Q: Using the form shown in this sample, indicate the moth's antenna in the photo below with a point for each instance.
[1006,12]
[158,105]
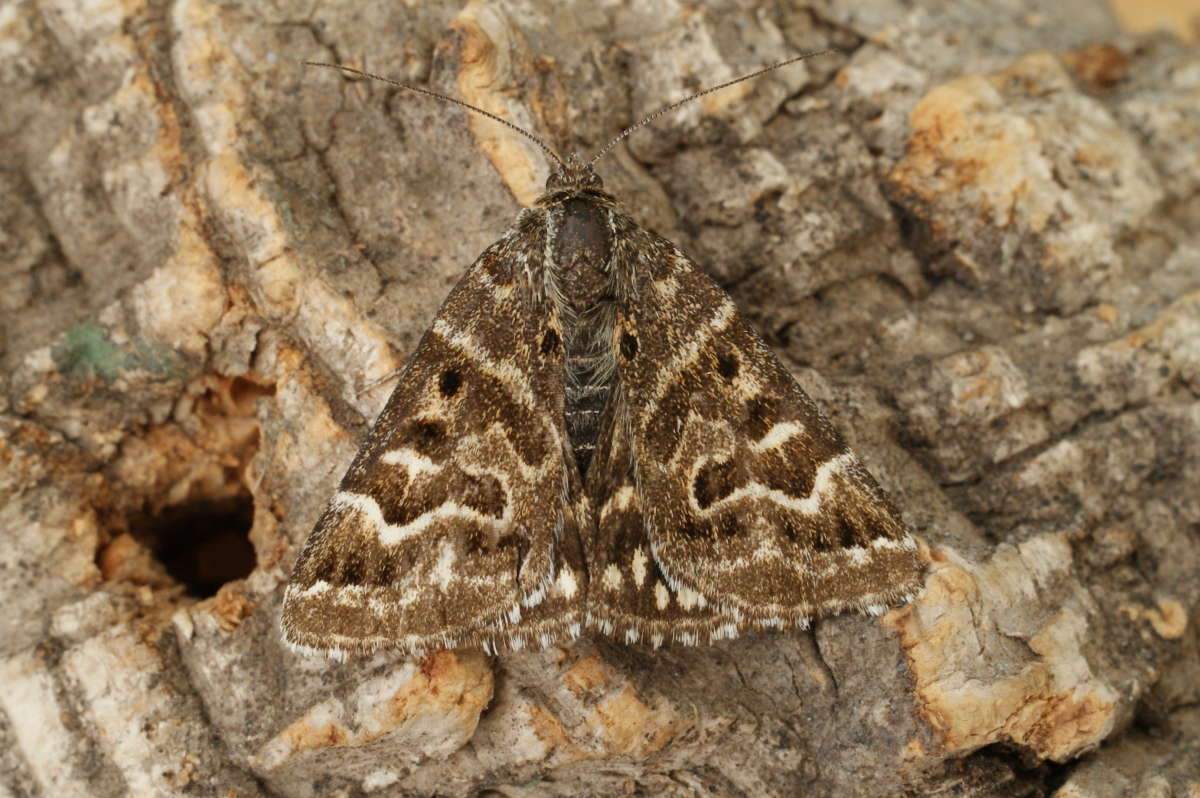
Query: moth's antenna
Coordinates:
[668,108]
[545,148]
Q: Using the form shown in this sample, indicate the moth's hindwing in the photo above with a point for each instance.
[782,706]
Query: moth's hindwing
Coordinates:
[751,500]
[458,522]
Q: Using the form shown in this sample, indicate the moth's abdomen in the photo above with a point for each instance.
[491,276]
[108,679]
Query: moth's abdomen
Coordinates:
[588,391]
[583,288]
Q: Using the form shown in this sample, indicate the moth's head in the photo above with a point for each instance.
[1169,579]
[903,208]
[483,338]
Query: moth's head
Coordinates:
[573,175]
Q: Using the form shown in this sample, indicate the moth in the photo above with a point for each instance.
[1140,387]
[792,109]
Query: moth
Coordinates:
[589,437]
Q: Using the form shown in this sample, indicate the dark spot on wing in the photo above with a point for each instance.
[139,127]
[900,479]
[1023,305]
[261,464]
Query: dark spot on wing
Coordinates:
[448,384]
[626,530]
[497,263]
[836,529]
[485,494]
[842,532]
[761,412]
[430,430]
[727,365]
[792,467]
[479,541]
[550,341]
[428,436]
[713,482]
[475,541]
[848,533]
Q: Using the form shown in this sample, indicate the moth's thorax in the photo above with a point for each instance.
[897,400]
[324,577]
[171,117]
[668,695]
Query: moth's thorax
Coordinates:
[579,236]
[583,283]
[580,252]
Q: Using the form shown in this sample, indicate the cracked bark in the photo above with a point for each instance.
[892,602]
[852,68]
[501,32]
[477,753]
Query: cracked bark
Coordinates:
[982,259]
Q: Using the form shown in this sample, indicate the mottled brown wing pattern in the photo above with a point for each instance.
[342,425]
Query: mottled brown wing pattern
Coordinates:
[560,615]
[590,433]
[751,498]
[448,528]
[630,599]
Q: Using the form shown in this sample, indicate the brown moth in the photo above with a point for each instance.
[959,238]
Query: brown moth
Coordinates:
[589,436]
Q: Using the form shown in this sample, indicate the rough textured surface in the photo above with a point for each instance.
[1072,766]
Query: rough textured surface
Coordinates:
[976,235]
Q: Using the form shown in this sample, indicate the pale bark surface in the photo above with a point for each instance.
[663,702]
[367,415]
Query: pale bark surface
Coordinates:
[975,235]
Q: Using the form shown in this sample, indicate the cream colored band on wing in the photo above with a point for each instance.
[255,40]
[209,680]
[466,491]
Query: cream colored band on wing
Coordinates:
[669,375]
[859,556]
[809,505]
[621,500]
[778,435]
[391,534]
[411,460]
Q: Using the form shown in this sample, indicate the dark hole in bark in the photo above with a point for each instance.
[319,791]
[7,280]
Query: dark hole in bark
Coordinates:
[202,543]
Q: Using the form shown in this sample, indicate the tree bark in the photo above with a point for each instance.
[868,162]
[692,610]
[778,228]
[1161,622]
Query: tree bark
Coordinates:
[974,233]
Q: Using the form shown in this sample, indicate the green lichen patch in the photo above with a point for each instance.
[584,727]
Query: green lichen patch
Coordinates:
[87,351]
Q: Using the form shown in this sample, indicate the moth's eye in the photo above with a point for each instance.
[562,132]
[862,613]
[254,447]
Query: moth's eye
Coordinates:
[448,384]
[629,346]
[554,180]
